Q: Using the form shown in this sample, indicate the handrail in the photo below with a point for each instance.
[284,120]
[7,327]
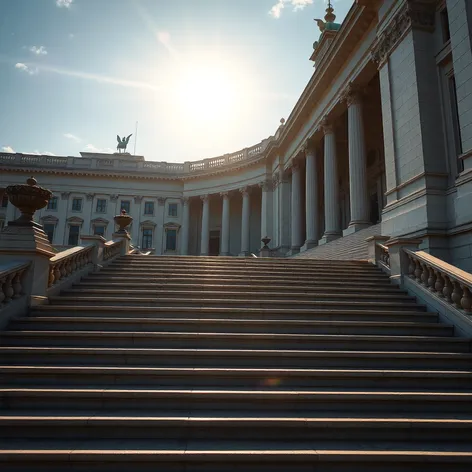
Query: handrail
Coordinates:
[11,281]
[67,262]
[111,249]
[443,279]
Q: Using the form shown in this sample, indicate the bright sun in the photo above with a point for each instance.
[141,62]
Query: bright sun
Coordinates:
[206,91]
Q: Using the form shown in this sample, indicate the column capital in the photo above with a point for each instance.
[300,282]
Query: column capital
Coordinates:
[352,94]
[294,166]
[326,126]
[161,201]
[138,199]
[245,191]
[114,198]
[275,180]
[225,195]
[309,147]
[205,198]
[65,195]
[266,185]
[185,200]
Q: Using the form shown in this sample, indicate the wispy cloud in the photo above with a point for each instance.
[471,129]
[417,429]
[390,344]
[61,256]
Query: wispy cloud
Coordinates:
[8,149]
[297,5]
[39,51]
[23,67]
[103,79]
[64,3]
[92,148]
[72,137]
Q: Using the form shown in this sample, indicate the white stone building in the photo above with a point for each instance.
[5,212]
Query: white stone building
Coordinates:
[381,133]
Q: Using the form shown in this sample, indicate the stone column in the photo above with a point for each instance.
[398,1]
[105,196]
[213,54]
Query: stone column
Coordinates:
[331,185]
[296,210]
[185,226]
[205,239]
[311,200]
[357,163]
[159,230]
[224,246]
[245,221]
[266,209]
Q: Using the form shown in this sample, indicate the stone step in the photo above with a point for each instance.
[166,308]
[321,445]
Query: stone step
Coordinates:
[219,402]
[340,303]
[294,296]
[126,426]
[237,379]
[369,314]
[238,280]
[269,288]
[256,358]
[175,340]
[45,323]
[215,456]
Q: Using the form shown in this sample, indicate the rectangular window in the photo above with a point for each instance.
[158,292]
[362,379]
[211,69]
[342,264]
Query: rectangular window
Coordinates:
[125,205]
[171,240]
[99,231]
[52,204]
[173,209]
[74,231]
[445,25]
[76,204]
[101,205]
[4,201]
[149,208]
[147,239]
[49,230]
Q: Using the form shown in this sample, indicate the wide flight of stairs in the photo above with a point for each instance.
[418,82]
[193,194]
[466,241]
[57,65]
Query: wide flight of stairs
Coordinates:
[230,364]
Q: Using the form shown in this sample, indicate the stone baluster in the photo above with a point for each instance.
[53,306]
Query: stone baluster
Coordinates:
[205,235]
[225,218]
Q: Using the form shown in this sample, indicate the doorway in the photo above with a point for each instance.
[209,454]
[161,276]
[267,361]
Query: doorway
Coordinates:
[214,247]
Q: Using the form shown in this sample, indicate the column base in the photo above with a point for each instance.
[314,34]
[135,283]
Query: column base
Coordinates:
[244,254]
[203,255]
[308,245]
[355,227]
[327,238]
[224,254]
[293,250]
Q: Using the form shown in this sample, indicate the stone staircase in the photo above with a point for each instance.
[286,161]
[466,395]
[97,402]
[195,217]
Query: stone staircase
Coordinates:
[352,247]
[228,364]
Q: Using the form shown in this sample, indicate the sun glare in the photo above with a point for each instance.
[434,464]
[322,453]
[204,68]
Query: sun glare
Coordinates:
[207,91]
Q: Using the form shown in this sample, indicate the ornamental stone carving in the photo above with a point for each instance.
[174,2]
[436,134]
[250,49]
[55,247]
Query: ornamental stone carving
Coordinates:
[65,195]
[266,185]
[89,196]
[114,198]
[326,126]
[414,14]
[185,200]
[138,199]
[245,191]
[161,201]
[275,180]
[352,94]
[224,194]
[204,198]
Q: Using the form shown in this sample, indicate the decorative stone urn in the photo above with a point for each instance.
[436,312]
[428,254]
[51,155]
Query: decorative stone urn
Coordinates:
[123,221]
[28,199]
[265,241]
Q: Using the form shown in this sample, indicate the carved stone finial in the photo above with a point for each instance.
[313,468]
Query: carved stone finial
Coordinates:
[330,16]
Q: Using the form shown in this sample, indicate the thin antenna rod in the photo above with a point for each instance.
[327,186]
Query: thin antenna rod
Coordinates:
[135,138]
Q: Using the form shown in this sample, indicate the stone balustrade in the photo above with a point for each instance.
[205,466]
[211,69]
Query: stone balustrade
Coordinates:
[121,163]
[441,279]
[111,250]
[384,258]
[67,263]
[12,281]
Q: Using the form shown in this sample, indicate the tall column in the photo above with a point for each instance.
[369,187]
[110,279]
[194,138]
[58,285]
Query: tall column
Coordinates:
[205,239]
[331,186]
[245,221]
[185,226]
[267,205]
[284,212]
[224,246]
[357,163]
[296,242]
[311,200]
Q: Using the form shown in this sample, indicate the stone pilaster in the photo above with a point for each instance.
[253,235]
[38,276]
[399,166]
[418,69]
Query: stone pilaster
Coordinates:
[245,221]
[311,200]
[185,226]
[205,239]
[357,162]
[225,217]
[296,240]
[331,185]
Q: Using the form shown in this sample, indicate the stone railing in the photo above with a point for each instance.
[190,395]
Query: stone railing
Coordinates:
[117,162]
[111,250]
[67,263]
[384,257]
[11,281]
[441,279]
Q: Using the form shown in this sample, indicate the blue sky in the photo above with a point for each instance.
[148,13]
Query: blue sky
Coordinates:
[202,77]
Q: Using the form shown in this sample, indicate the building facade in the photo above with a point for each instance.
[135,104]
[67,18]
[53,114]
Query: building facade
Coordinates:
[381,133]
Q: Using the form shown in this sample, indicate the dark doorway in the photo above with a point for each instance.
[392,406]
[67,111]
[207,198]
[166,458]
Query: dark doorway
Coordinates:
[374,208]
[214,248]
